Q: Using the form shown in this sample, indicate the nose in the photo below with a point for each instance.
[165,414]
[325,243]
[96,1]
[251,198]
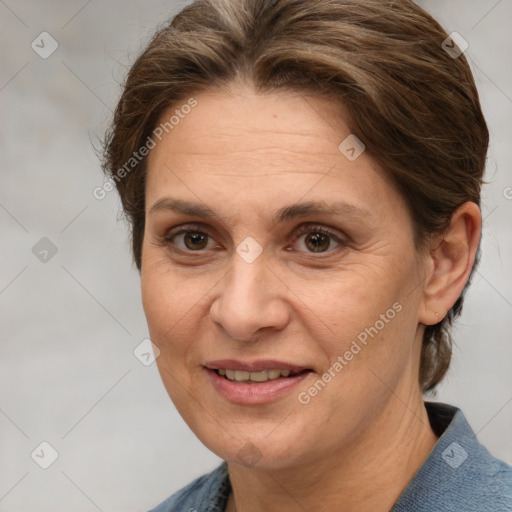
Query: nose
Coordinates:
[251,301]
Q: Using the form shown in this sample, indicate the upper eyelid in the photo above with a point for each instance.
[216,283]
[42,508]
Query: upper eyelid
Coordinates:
[305,228]
[207,229]
[183,228]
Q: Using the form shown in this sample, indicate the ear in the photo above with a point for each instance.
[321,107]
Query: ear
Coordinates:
[450,261]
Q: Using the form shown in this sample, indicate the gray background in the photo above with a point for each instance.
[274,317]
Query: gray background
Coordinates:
[70,325]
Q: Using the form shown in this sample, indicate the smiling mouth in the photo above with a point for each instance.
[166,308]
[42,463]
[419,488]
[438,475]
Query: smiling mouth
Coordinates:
[262,376]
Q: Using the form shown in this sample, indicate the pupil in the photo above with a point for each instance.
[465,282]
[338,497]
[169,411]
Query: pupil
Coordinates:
[318,242]
[195,241]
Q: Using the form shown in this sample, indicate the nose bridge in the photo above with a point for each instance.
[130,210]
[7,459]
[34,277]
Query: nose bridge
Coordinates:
[244,291]
[247,301]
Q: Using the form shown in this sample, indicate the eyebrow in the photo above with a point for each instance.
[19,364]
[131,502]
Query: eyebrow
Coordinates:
[284,214]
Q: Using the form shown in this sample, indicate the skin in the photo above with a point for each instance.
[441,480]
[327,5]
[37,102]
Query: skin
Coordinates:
[360,440]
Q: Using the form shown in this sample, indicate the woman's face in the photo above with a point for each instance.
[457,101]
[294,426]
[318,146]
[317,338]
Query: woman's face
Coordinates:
[268,248]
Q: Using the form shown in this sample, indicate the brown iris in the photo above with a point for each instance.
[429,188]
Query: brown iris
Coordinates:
[195,240]
[317,242]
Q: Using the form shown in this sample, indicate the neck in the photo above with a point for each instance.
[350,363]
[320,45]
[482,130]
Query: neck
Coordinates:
[369,475]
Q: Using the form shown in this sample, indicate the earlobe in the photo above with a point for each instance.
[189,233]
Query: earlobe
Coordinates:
[452,257]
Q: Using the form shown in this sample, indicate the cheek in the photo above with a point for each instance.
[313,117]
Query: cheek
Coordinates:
[353,299]
[168,299]
[169,310]
[368,316]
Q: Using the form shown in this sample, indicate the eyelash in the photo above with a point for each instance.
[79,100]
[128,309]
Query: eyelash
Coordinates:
[301,230]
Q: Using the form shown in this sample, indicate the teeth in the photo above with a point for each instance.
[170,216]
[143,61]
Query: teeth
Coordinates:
[241,376]
[259,376]
[263,376]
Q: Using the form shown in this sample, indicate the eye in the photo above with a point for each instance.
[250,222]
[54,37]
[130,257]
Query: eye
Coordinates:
[316,239]
[190,239]
[311,239]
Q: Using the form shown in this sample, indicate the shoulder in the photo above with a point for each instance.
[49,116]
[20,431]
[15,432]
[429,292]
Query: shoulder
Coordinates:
[459,473]
[465,476]
[206,493]
[484,484]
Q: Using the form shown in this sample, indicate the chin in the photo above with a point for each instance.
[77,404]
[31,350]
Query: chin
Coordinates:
[248,447]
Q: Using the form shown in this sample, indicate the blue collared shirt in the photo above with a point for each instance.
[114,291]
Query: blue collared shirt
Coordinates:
[459,475]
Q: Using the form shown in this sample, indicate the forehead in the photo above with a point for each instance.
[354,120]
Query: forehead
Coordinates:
[272,147]
[236,121]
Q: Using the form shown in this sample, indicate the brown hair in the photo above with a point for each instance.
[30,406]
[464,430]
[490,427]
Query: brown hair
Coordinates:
[414,105]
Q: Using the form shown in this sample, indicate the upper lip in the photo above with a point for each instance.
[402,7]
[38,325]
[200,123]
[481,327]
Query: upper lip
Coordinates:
[254,366]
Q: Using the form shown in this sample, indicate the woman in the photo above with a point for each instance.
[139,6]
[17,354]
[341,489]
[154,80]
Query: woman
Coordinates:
[303,184]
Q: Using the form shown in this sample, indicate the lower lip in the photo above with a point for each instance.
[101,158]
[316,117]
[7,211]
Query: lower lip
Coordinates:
[255,392]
